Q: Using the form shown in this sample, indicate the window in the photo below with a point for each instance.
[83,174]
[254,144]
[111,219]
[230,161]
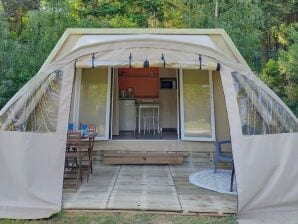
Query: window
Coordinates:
[197,118]
[94,101]
[259,112]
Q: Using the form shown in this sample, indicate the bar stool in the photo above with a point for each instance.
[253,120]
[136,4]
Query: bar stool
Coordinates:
[151,119]
[148,120]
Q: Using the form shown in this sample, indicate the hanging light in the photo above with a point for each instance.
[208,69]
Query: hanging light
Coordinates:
[130,58]
[164,60]
[146,63]
[93,59]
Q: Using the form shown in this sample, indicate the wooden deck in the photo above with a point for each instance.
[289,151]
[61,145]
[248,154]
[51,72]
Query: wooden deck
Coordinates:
[147,187]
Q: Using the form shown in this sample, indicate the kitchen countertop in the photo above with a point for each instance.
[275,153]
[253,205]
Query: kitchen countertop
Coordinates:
[127,98]
[141,100]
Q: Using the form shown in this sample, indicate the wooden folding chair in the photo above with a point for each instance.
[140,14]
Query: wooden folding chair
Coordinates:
[74,153]
[90,131]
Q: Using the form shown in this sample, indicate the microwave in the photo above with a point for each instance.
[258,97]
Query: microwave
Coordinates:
[168,83]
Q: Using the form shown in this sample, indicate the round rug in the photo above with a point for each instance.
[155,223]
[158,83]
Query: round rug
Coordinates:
[219,181]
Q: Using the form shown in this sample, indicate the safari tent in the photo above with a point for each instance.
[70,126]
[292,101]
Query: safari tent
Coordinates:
[203,91]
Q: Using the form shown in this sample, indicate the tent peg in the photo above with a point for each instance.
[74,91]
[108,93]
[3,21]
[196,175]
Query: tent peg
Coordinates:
[200,59]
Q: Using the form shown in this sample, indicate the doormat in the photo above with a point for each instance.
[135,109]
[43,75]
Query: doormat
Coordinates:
[219,181]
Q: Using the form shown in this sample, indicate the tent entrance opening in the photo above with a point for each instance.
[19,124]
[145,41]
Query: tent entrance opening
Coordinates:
[145,104]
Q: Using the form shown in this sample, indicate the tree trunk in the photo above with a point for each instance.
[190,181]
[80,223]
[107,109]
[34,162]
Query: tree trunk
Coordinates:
[216,9]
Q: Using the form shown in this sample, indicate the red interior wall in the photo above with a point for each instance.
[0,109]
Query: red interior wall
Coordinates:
[144,81]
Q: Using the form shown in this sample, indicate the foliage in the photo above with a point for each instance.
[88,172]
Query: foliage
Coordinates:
[140,13]
[282,75]
[7,86]
[21,57]
[244,30]
[16,10]
[277,12]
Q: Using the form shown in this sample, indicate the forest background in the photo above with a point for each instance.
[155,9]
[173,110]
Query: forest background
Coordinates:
[265,32]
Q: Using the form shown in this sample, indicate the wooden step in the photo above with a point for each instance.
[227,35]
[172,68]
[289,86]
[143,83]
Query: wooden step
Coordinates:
[142,158]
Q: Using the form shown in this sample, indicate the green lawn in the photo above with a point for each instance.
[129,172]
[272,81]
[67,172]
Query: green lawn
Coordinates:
[124,218]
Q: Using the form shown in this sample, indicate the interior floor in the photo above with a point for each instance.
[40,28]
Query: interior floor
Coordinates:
[147,187]
[130,135]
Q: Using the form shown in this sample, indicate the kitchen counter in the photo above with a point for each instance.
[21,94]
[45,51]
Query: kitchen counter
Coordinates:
[142,100]
[127,98]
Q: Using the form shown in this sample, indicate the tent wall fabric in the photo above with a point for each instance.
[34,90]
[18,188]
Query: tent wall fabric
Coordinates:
[32,161]
[263,129]
[264,163]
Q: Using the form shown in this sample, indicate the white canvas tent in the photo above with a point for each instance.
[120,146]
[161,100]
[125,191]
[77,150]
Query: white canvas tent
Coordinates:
[33,123]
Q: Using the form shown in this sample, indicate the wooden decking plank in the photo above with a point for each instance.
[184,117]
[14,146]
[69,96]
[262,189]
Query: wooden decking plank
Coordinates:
[123,157]
[144,199]
[194,199]
[149,187]
[93,194]
[112,187]
[143,160]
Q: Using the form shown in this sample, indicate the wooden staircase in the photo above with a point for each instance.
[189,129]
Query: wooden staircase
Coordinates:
[145,158]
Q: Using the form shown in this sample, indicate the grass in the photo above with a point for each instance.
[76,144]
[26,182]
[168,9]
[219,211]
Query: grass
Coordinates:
[83,217]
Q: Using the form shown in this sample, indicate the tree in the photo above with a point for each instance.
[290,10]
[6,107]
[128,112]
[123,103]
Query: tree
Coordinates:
[140,13]
[276,12]
[7,86]
[282,75]
[15,11]
[242,20]
[21,57]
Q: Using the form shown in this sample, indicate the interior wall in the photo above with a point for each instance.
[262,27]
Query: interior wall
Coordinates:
[115,111]
[222,128]
[167,72]
[168,101]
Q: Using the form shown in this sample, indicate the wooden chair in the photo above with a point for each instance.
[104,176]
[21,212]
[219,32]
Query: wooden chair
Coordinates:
[73,158]
[90,130]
